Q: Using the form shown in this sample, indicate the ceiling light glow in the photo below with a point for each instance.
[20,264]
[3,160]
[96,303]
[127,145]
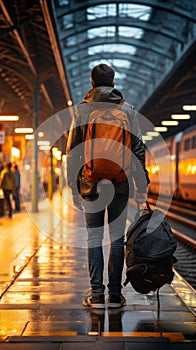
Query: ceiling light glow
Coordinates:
[29,137]
[160,128]
[147,138]
[181,116]
[44,148]
[189,107]
[43,143]
[169,122]
[152,133]
[23,130]
[9,118]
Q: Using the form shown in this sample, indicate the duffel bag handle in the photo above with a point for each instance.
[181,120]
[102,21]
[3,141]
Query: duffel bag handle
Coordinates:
[147,207]
[139,210]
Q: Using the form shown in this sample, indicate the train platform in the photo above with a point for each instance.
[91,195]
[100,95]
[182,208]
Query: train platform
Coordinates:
[44,277]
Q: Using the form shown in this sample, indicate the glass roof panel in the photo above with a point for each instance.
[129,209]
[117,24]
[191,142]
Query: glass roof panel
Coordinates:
[63,2]
[112,48]
[131,32]
[119,86]
[112,62]
[71,41]
[96,62]
[137,11]
[101,11]
[119,75]
[77,83]
[121,63]
[68,21]
[113,32]
[101,32]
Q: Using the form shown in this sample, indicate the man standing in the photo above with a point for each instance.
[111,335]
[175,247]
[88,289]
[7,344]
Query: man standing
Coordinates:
[107,194]
[8,185]
[17,191]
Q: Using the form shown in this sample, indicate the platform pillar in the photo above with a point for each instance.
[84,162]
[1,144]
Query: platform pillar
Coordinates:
[51,177]
[35,177]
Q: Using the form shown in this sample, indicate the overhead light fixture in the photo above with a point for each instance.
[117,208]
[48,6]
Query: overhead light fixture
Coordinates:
[152,133]
[44,148]
[23,130]
[41,134]
[9,118]
[29,137]
[69,102]
[146,138]
[160,128]
[189,107]
[181,116]
[43,143]
[169,122]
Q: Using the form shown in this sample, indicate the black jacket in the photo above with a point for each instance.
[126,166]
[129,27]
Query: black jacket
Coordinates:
[77,135]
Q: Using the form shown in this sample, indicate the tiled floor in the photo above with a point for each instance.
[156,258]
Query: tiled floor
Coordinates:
[44,276]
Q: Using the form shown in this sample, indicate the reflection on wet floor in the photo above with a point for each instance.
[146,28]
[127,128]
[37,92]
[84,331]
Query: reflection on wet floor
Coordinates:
[44,276]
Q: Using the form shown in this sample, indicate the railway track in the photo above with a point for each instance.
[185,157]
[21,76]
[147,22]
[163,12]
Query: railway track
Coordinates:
[184,210]
[183,223]
[186,257]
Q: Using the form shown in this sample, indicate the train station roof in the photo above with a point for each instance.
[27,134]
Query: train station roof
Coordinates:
[54,44]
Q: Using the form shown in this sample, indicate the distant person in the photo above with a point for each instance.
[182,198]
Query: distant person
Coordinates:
[16,194]
[94,195]
[1,167]
[8,185]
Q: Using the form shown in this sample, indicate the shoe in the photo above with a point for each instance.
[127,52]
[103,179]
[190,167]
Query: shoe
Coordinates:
[115,301]
[96,302]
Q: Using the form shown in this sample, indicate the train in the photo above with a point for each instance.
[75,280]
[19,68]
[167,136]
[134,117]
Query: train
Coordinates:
[172,166]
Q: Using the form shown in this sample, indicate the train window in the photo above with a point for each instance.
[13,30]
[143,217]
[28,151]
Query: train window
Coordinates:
[187,144]
[194,142]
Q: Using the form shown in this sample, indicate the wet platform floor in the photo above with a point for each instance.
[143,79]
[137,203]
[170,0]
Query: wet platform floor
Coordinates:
[44,277]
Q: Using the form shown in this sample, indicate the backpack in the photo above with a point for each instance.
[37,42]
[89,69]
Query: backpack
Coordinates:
[150,246]
[107,148]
